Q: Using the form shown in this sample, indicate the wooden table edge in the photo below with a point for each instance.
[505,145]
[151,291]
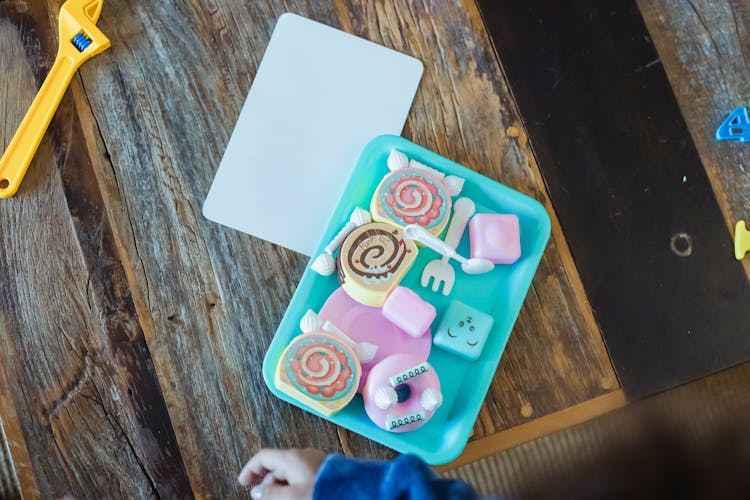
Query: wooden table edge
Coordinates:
[540,427]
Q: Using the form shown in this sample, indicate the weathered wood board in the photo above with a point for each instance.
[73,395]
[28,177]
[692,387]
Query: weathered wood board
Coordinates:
[74,355]
[633,197]
[703,46]
[132,323]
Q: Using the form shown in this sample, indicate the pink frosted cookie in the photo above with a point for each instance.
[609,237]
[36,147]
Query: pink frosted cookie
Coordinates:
[412,196]
[320,370]
[369,325]
[414,193]
[402,393]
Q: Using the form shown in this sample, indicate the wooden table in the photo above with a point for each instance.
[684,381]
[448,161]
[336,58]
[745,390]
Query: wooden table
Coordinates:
[133,329]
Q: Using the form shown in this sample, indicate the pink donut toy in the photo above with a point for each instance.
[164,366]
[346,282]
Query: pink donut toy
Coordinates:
[402,393]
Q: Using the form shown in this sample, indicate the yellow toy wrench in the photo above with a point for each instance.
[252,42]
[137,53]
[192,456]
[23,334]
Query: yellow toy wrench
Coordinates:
[80,40]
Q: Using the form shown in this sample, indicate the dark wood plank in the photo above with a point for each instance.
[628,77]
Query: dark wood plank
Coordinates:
[703,48]
[626,180]
[75,361]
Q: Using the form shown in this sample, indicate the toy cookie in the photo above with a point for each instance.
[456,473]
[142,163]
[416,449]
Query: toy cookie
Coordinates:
[372,260]
[414,193]
[412,196]
[402,393]
[319,370]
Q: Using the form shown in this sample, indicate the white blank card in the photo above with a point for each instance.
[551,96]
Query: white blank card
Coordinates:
[318,97]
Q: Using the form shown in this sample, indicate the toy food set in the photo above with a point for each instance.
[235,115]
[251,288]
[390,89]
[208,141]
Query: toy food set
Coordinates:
[399,322]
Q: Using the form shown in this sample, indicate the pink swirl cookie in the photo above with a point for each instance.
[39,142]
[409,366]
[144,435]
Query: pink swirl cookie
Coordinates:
[412,196]
[402,393]
[320,370]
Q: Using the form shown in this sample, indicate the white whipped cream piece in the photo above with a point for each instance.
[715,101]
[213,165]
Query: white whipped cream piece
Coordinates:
[331,328]
[360,217]
[324,264]
[437,173]
[386,398]
[454,184]
[431,399]
[397,160]
[365,351]
[310,322]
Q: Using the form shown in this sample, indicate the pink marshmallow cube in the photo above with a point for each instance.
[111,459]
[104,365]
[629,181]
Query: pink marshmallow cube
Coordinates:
[405,309]
[495,237]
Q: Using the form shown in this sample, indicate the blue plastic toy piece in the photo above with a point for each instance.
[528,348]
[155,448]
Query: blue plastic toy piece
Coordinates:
[81,42]
[463,330]
[735,127]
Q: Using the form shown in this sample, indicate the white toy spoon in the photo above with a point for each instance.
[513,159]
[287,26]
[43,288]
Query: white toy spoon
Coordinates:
[469,266]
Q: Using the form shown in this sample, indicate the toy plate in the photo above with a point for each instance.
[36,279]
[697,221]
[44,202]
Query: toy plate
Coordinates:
[499,293]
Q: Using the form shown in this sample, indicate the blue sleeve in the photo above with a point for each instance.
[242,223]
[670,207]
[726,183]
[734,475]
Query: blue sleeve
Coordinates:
[406,478]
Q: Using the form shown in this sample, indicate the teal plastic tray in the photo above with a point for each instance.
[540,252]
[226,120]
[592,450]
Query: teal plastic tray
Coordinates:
[499,293]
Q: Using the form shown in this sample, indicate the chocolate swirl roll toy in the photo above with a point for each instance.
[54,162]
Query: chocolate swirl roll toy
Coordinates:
[402,393]
[319,370]
[372,261]
[413,193]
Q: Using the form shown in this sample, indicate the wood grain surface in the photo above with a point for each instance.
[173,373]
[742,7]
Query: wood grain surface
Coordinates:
[630,189]
[703,46]
[78,366]
[135,328]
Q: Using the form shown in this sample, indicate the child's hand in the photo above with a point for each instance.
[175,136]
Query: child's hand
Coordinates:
[284,473]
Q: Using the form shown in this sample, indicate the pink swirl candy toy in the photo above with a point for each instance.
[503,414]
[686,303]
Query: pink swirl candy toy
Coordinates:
[412,196]
[319,370]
